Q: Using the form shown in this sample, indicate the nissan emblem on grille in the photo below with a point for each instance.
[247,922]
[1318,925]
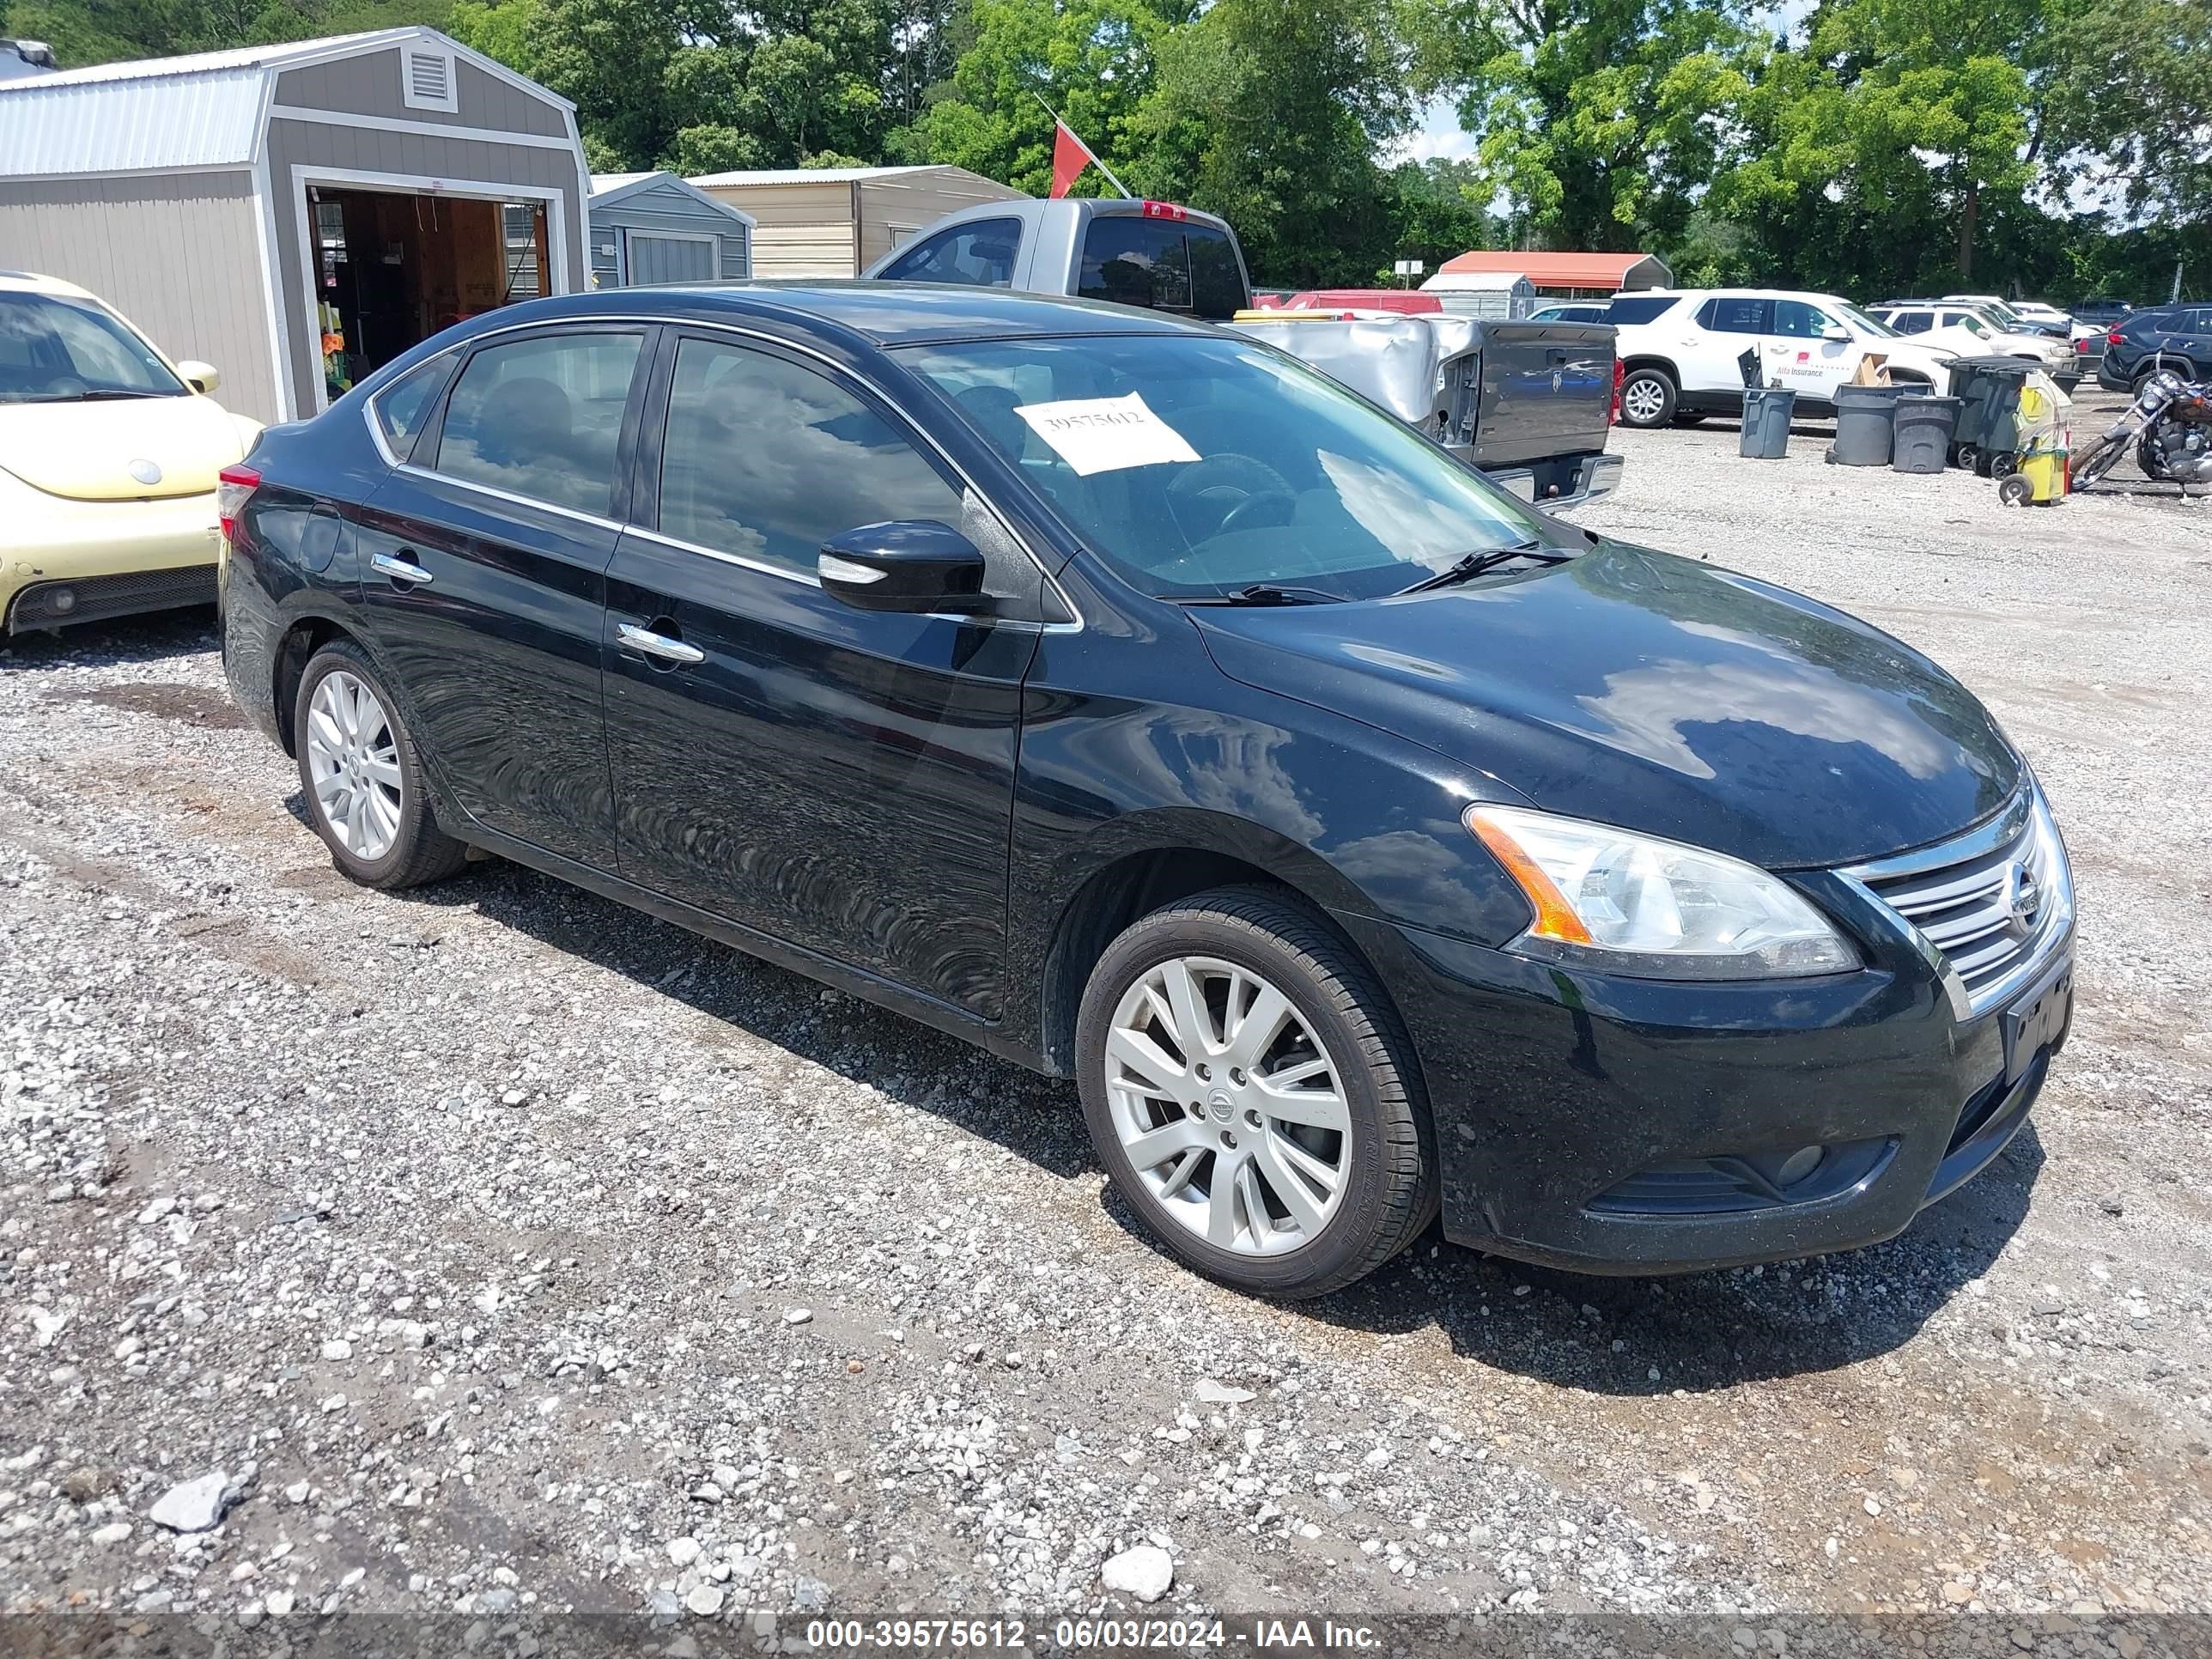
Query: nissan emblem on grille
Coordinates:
[2027,900]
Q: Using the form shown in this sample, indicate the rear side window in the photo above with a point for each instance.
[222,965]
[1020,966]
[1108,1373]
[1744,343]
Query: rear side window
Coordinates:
[1137,262]
[403,409]
[1734,315]
[542,419]
[1909,322]
[767,460]
[976,255]
[1641,308]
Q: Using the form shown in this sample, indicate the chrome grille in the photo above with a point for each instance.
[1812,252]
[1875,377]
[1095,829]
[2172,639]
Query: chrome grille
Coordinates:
[1992,902]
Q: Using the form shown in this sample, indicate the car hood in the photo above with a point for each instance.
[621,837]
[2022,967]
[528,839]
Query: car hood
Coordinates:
[1639,689]
[135,449]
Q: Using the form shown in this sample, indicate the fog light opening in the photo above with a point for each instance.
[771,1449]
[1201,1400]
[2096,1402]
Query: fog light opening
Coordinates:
[63,600]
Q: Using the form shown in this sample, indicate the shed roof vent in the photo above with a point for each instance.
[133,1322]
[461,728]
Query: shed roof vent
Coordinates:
[427,79]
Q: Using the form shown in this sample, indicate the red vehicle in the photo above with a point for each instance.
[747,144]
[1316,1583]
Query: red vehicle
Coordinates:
[1410,301]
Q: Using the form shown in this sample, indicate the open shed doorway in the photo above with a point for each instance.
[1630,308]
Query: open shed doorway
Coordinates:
[393,268]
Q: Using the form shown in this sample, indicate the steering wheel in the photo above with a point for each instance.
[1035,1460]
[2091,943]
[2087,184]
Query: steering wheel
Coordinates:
[1229,492]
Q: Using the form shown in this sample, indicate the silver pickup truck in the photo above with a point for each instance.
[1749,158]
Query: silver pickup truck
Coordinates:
[1530,404]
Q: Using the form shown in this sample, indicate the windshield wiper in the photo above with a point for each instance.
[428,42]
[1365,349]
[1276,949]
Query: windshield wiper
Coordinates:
[1269,594]
[109,394]
[1471,565]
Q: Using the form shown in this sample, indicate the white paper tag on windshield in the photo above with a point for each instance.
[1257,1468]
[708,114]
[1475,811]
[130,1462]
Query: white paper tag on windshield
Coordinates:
[1105,434]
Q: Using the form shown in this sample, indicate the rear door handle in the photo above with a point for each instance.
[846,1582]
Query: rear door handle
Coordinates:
[398,569]
[657,645]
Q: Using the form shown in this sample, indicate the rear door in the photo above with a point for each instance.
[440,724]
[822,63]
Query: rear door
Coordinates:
[1728,325]
[484,562]
[1799,356]
[838,778]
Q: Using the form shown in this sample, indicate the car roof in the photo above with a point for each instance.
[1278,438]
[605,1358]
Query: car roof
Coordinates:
[876,313]
[29,281]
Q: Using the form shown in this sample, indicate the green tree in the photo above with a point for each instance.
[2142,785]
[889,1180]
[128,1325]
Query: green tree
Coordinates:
[1602,120]
[2130,107]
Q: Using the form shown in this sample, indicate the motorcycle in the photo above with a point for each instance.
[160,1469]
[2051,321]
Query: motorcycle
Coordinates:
[2169,427]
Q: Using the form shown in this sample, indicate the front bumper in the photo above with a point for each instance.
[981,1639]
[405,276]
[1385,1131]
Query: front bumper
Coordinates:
[109,558]
[1563,1102]
[1568,481]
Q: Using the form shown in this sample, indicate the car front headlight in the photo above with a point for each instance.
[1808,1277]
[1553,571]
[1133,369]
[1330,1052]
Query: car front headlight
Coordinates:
[1620,902]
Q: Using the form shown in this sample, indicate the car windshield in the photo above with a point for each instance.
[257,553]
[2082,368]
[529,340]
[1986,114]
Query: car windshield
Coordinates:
[1203,466]
[55,349]
[1863,324]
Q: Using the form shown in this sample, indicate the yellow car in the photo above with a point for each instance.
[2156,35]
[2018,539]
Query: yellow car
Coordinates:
[109,455]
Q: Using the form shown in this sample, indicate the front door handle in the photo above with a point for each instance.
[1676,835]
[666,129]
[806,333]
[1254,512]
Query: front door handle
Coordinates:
[657,645]
[400,569]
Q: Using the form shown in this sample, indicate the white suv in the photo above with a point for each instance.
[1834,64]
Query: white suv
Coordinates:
[1680,349]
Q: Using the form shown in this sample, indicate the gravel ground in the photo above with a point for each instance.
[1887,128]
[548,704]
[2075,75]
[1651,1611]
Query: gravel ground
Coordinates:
[494,1249]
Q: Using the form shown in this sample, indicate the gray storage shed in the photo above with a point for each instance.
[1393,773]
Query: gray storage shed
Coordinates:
[651,228]
[296,215]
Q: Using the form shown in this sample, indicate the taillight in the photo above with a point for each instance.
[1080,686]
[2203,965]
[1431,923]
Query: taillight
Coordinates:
[233,486]
[2112,339]
[1164,210]
[1620,375]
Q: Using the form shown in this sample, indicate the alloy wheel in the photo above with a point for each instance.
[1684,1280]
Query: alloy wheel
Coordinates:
[353,761]
[1227,1106]
[1643,401]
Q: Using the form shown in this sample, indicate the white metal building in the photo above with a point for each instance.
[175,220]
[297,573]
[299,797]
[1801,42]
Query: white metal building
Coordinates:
[296,215]
[1492,293]
[837,221]
[651,228]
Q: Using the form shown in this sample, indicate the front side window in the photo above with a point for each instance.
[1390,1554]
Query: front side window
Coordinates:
[542,419]
[1136,262]
[1735,314]
[1198,467]
[403,409]
[1796,320]
[767,460]
[55,349]
[976,255]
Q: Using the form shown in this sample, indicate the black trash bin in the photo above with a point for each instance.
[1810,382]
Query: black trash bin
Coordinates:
[1864,421]
[1924,429]
[1766,422]
[1988,391]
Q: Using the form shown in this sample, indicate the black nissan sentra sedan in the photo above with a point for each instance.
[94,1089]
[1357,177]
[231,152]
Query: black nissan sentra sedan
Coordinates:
[1124,697]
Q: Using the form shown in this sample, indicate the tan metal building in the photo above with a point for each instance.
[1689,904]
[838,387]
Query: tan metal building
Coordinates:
[836,221]
[296,215]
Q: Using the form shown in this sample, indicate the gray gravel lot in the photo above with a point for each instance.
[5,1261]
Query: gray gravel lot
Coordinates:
[495,1248]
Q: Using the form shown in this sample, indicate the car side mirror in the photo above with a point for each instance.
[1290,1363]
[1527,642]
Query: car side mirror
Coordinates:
[1836,333]
[911,565]
[203,378]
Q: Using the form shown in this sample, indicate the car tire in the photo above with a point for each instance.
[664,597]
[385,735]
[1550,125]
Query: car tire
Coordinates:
[1334,1203]
[1647,397]
[362,775]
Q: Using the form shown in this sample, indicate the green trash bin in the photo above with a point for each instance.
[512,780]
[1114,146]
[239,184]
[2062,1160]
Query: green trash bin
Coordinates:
[1766,422]
[1988,389]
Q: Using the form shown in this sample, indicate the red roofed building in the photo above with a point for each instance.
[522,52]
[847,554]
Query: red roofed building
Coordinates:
[1562,275]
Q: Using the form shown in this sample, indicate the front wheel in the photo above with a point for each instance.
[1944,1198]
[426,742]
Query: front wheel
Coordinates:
[1647,397]
[1252,1095]
[2101,458]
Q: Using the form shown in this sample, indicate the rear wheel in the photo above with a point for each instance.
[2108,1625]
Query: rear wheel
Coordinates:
[1647,397]
[361,777]
[1250,1092]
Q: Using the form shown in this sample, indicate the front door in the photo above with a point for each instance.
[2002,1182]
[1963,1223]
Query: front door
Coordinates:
[1800,356]
[838,778]
[483,569]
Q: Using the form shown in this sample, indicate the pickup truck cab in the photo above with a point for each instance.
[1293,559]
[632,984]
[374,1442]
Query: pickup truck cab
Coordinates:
[1681,349]
[1529,403]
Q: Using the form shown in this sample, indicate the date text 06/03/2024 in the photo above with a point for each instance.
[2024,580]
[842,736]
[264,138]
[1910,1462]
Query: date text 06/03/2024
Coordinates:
[1276,1635]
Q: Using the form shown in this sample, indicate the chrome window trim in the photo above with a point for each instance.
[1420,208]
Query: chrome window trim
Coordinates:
[368,406]
[497,494]
[836,371]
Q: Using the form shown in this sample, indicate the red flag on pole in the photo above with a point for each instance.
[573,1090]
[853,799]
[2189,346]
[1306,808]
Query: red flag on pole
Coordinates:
[1069,157]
